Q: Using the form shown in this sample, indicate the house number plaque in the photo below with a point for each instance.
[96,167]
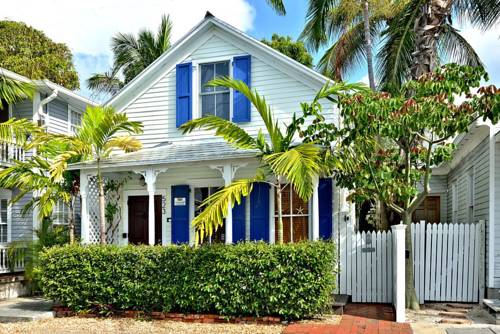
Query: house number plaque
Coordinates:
[179,201]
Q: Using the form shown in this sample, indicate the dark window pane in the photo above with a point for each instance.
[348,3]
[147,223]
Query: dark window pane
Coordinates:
[223,105]
[207,105]
[207,74]
[222,70]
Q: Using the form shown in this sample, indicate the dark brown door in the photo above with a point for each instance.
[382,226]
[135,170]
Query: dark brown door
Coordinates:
[4,111]
[138,208]
[429,210]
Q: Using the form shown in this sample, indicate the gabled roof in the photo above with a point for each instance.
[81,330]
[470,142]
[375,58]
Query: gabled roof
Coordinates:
[175,54]
[48,87]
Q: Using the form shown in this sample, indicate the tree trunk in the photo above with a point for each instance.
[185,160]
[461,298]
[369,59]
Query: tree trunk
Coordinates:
[411,295]
[427,30]
[71,223]
[280,214]
[102,216]
[368,45]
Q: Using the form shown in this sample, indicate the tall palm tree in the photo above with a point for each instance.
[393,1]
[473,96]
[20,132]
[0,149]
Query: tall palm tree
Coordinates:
[280,158]
[422,35]
[103,131]
[133,54]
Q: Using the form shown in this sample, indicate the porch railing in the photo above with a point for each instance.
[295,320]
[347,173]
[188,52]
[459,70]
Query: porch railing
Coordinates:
[10,152]
[17,258]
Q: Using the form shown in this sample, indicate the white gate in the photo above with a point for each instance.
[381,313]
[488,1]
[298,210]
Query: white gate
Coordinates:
[365,265]
[448,261]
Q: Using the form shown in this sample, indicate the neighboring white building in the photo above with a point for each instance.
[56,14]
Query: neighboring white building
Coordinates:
[59,110]
[173,173]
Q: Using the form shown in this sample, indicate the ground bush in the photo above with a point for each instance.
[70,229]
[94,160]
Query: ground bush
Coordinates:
[248,279]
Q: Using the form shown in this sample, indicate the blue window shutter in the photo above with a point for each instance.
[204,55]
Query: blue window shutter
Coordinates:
[241,105]
[183,77]
[239,221]
[180,215]
[259,212]
[325,208]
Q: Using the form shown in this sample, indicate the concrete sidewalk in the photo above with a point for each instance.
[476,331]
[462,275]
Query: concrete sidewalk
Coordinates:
[25,309]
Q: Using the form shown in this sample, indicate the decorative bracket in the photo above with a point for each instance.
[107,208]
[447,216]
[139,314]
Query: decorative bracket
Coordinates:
[228,171]
[150,177]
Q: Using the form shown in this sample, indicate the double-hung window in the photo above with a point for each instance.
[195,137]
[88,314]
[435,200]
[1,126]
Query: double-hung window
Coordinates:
[214,100]
[75,120]
[60,213]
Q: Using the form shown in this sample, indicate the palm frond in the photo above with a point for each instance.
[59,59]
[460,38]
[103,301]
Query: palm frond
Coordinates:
[398,40]
[300,165]
[12,91]
[107,82]
[455,48]
[348,52]
[125,143]
[278,6]
[259,103]
[323,21]
[482,14]
[18,131]
[164,35]
[216,207]
[231,132]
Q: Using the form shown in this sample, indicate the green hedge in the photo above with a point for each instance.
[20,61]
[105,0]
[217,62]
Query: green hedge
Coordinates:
[292,281]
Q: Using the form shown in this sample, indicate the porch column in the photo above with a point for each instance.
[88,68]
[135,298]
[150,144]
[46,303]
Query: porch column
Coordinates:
[84,185]
[228,171]
[315,210]
[150,178]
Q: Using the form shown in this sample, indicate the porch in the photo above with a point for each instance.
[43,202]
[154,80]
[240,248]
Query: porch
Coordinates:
[158,201]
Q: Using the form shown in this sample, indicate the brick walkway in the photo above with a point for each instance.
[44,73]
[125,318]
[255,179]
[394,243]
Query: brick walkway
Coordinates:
[357,319]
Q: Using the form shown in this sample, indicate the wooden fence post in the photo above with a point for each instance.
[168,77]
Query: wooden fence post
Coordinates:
[399,271]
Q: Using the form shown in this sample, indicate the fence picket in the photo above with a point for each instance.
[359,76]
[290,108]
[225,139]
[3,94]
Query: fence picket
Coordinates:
[359,271]
[460,274]
[348,264]
[383,252]
[449,262]
[444,263]
[428,233]
[477,265]
[378,257]
[363,269]
[470,256]
[439,247]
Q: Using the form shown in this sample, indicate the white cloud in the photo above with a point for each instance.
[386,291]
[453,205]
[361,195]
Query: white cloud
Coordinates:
[487,46]
[87,26]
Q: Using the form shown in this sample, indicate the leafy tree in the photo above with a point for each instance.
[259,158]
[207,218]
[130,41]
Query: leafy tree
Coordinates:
[103,131]
[281,159]
[414,131]
[31,53]
[295,50]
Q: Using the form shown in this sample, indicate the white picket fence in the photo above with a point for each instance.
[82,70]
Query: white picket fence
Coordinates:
[448,261]
[365,265]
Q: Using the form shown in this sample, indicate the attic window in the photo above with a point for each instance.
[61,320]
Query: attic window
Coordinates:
[214,100]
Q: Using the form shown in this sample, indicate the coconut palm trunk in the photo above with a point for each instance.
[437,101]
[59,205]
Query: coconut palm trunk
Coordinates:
[368,44]
[71,223]
[427,31]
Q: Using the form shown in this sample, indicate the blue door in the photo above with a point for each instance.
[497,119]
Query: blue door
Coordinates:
[325,195]
[259,212]
[180,214]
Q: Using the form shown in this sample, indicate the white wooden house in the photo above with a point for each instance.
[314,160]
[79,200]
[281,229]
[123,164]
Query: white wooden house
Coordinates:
[173,173]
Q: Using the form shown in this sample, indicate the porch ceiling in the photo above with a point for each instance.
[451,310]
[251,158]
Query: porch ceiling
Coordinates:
[171,153]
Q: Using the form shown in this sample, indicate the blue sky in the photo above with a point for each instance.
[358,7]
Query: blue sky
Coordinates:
[87,26]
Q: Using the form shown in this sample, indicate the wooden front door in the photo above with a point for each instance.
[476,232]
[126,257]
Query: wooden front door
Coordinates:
[138,208]
[429,210]
[295,213]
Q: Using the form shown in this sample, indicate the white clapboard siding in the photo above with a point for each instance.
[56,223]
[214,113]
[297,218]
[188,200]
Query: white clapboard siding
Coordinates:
[366,271]
[447,261]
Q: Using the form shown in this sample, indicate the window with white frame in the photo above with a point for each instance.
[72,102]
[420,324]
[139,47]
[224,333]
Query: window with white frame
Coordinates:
[75,120]
[214,100]
[4,220]
[60,213]
[454,203]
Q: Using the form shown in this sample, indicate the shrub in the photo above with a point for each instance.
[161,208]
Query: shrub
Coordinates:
[248,279]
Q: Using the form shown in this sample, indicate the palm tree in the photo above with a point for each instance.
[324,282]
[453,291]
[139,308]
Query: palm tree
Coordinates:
[280,158]
[103,131]
[133,54]
[422,35]
[33,175]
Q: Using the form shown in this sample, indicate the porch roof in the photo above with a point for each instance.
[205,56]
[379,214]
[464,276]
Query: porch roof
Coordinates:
[171,153]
